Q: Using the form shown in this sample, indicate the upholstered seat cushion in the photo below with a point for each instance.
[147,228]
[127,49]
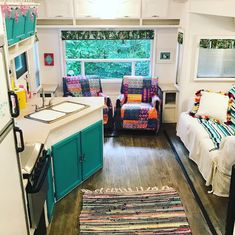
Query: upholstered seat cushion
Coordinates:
[138,115]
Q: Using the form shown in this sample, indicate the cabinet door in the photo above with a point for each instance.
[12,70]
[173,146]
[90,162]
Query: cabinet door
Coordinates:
[59,9]
[50,193]
[30,23]
[19,28]
[129,9]
[67,166]
[154,8]
[92,149]
[10,30]
[85,9]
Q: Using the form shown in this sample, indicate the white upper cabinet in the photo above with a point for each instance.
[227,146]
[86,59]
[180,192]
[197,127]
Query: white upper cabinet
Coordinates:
[107,9]
[154,8]
[55,9]
[85,9]
[129,9]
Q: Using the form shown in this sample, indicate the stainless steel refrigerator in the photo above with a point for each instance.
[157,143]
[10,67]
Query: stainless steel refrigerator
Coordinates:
[13,218]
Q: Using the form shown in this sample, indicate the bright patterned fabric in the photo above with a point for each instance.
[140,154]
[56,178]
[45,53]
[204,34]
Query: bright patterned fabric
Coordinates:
[135,109]
[217,131]
[197,99]
[125,211]
[143,86]
[134,98]
[232,110]
[83,86]
[80,86]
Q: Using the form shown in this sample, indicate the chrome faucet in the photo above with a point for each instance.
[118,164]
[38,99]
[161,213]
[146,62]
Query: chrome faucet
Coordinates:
[38,108]
[43,98]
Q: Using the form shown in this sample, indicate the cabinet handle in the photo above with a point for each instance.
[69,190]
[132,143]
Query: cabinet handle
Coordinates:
[82,158]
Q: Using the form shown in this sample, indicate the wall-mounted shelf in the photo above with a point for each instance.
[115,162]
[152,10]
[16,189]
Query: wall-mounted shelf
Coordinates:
[20,47]
[104,24]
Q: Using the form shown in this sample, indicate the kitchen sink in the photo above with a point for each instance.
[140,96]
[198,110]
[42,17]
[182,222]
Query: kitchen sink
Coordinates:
[57,111]
[68,107]
[46,115]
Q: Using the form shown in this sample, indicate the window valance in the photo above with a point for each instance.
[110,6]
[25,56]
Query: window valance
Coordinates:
[108,35]
[217,43]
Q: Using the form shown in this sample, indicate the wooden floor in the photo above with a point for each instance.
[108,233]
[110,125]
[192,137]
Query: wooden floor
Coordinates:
[132,160]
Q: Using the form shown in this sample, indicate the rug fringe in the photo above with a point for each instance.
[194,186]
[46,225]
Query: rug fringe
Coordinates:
[127,190]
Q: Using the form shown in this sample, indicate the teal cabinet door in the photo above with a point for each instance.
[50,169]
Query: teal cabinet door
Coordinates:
[92,149]
[30,23]
[19,28]
[10,30]
[67,166]
[50,194]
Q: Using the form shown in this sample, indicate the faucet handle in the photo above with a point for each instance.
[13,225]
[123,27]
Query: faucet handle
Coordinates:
[50,102]
[36,107]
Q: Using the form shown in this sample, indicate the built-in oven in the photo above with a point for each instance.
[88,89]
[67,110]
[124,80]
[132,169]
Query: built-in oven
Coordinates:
[35,163]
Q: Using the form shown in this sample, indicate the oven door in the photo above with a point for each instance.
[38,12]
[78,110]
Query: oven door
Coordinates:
[37,193]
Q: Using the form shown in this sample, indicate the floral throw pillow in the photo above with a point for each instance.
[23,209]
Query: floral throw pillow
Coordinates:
[218,111]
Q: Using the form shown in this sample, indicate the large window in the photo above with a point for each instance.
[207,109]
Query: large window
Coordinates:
[108,58]
[216,59]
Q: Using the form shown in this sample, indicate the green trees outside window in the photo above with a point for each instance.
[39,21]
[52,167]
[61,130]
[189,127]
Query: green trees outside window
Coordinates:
[108,58]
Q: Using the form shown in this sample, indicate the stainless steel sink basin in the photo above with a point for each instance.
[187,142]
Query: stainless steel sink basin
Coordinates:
[57,111]
[68,107]
[46,115]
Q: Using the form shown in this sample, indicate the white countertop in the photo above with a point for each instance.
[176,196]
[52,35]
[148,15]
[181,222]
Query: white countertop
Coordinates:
[38,132]
[168,87]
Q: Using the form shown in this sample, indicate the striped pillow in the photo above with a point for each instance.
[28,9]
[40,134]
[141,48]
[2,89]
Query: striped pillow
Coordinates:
[231,94]
[195,109]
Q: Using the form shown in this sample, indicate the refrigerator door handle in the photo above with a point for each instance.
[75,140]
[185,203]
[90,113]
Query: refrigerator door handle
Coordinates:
[19,148]
[15,111]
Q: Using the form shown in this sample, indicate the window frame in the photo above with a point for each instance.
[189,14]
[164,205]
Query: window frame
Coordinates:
[196,52]
[131,60]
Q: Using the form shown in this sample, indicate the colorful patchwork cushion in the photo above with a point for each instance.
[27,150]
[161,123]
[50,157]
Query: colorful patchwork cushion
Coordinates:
[134,98]
[138,89]
[73,86]
[138,111]
[105,114]
[232,110]
[83,85]
[212,105]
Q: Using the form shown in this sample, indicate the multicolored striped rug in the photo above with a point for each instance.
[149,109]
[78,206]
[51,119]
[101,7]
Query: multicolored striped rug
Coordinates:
[124,211]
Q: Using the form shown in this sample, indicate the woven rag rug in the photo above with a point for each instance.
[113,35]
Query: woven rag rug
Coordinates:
[127,211]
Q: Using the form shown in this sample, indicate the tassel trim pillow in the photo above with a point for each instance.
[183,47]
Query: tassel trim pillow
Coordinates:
[232,109]
[211,105]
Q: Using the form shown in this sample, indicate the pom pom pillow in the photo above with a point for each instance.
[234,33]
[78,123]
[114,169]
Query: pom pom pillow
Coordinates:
[212,105]
[232,110]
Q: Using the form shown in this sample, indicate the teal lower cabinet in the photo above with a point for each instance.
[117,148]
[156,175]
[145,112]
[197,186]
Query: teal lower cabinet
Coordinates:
[50,194]
[92,149]
[67,166]
[76,158]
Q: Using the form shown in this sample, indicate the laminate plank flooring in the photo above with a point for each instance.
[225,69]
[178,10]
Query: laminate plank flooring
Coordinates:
[131,161]
[215,206]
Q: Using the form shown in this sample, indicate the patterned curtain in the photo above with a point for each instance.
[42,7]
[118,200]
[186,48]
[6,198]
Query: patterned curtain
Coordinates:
[217,43]
[180,38]
[108,35]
